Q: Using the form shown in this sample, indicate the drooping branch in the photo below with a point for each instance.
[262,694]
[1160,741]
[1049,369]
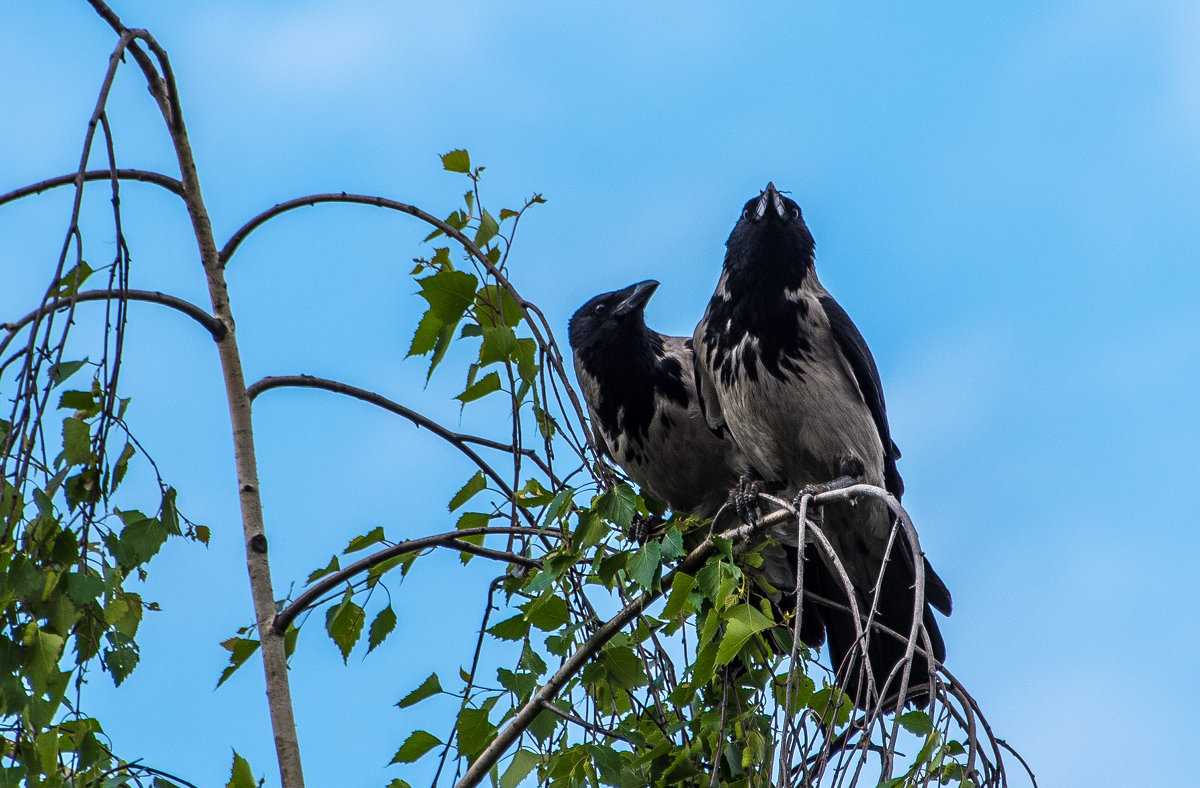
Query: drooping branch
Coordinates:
[542,334]
[213,326]
[450,539]
[122,174]
[458,439]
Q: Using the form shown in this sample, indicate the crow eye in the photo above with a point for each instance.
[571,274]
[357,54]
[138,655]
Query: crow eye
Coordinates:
[748,213]
[795,212]
[601,310]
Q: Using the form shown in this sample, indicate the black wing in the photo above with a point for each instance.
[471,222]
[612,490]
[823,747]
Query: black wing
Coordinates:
[855,349]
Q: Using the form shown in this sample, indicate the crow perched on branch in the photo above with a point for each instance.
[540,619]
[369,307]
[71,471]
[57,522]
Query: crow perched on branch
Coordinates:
[641,395]
[780,365]
[640,390]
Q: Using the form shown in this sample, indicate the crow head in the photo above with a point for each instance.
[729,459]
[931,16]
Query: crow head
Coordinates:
[611,320]
[771,232]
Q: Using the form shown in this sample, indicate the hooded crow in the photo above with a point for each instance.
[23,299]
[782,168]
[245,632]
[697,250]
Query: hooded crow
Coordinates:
[641,396]
[640,390]
[780,365]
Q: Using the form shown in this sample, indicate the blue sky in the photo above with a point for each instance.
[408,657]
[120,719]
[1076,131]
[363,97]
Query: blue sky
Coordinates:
[1004,198]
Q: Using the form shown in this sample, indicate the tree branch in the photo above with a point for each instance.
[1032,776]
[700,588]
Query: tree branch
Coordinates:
[146,176]
[162,86]
[545,341]
[448,539]
[211,324]
[457,440]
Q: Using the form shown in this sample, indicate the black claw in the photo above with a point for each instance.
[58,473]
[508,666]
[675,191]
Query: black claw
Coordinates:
[745,499]
[645,528]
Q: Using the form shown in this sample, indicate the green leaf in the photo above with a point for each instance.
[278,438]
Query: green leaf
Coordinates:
[513,628]
[618,505]
[83,587]
[425,338]
[69,283]
[457,160]
[499,344]
[519,767]
[366,540]
[475,485]
[416,745]
[744,621]
[644,563]
[521,684]
[381,627]
[344,623]
[429,687]
[482,387]
[672,544]
[533,494]
[60,372]
[508,213]
[475,731]
[81,401]
[141,538]
[241,776]
[240,650]
[681,587]
[329,569]
[495,306]
[547,613]
[832,705]
[916,722]
[77,441]
[488,227]
[449,293]
[560,506]
[531,661]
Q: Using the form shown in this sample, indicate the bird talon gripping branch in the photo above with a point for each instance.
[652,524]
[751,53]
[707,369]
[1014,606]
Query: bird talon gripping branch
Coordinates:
[744,498]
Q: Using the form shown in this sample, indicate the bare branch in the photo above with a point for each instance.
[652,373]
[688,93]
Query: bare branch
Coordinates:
[123,174]
[569,717]
[210,324]
[449,539]
[457,440]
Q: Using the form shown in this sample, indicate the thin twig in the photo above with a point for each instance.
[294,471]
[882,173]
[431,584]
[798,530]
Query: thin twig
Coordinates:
[589,727]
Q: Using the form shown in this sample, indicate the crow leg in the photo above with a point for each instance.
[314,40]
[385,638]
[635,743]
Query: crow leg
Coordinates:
[744,498]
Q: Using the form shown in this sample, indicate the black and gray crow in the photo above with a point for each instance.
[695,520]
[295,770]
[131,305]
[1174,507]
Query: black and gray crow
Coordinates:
[640,389]
[780,365]
[641,395]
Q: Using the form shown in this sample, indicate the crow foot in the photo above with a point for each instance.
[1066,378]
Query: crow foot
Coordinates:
[646,527]
[744,498]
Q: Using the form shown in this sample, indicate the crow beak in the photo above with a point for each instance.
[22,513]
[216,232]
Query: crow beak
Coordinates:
[638,298]
[772,200]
